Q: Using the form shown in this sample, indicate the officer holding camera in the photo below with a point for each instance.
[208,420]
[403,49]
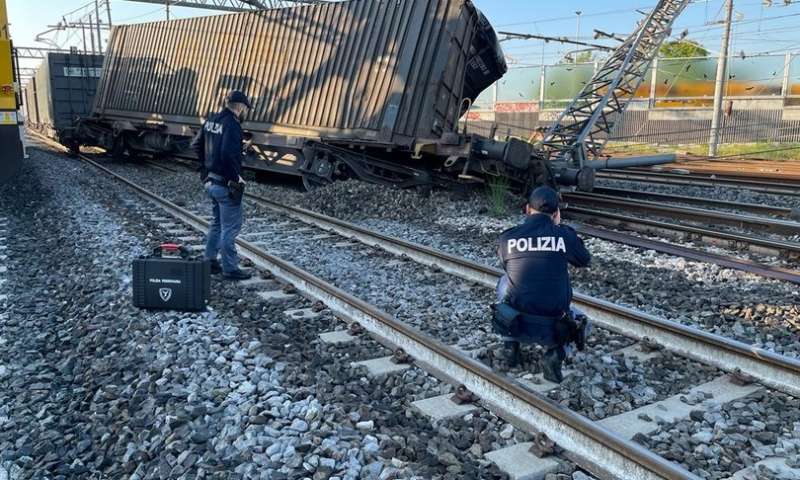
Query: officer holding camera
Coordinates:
[218,146]
[535,293]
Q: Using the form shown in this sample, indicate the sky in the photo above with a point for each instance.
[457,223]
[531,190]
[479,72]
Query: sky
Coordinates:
[758,28]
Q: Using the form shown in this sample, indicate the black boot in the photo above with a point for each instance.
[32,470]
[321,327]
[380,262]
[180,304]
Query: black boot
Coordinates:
[512,351]
[237,274]
[216,268]
[581,331]
[551,365]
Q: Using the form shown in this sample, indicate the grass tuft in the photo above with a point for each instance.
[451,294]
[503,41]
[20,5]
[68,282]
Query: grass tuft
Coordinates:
[497,196]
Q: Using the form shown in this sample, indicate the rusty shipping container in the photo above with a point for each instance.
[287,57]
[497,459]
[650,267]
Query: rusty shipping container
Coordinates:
[361,75]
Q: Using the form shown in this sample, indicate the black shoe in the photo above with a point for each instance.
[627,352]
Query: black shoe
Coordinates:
[551,366]
[512,353]
[216,268]
[237,274]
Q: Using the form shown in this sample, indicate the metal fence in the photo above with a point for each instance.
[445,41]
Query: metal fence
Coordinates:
[673,104]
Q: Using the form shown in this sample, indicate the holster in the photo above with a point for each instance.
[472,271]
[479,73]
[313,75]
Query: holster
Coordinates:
[236,191]
[547,331]
[565,329]
[505,320]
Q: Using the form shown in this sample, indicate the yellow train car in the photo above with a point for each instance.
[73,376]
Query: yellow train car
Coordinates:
[11,150]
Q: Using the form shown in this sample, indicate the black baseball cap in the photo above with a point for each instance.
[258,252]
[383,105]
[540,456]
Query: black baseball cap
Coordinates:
[237,96]
[544,199]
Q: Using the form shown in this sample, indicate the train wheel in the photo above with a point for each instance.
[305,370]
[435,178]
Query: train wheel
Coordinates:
[312,182]
[119,148]
[74,148]
[321,171]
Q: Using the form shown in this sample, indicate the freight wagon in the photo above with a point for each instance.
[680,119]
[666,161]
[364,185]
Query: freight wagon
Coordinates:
[61,93]
[356,89]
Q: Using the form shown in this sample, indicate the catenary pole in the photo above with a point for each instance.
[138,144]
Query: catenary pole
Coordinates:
[99,35]
[577,30]
[719,86]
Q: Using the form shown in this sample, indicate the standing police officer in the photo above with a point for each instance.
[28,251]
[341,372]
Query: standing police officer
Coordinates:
[535,293]
[219,148]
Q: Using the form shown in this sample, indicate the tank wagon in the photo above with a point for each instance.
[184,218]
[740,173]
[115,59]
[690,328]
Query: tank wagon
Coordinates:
[355,89]
[61,93]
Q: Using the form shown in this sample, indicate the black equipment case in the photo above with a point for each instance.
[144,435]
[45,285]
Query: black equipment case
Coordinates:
[177,282]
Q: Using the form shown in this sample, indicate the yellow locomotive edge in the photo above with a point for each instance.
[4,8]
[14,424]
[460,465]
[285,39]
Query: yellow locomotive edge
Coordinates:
[11,151]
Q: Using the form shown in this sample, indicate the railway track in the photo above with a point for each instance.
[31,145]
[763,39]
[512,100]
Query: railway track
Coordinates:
[677,338]
[755,209]
[698,215]
[594,445]
[767,271]
[687,233]
[587,443]
[748,168]
[604,210]
[762,186]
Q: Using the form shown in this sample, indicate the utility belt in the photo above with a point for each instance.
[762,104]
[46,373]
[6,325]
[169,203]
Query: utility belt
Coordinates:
[235,189]
[544,330]
[215,179]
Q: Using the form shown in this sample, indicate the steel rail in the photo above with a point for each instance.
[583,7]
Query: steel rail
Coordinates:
[769,368]
[726,175]
[675,179]
[736,240]
[767,271]
[704,201]
[705,216]
[590,445]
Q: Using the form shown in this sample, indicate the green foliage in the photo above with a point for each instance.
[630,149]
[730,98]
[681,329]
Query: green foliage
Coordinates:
[682,49]
[580,57]
[496,196]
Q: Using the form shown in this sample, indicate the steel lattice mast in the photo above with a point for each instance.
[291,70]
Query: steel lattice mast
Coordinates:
[580,133]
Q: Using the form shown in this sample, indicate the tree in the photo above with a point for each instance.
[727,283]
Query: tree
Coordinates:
[682,49]
[581,57]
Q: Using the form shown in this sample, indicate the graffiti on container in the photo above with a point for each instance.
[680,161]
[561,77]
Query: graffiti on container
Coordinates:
[516,107]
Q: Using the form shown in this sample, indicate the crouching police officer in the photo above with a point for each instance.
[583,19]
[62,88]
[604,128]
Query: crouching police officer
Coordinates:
[535,293]
[219,148]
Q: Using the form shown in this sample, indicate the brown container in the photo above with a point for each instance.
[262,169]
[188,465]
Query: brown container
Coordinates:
[383,72]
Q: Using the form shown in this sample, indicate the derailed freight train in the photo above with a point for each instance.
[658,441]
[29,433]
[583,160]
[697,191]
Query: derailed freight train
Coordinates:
[356,89]
[61,94]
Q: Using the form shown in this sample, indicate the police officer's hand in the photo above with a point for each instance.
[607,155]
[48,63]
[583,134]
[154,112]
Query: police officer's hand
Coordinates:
[241,180]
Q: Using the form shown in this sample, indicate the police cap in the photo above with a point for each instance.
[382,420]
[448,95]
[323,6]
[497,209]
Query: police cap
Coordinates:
[544,199]
[237,96]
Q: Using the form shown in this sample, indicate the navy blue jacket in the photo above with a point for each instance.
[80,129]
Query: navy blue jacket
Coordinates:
[535,257]
[218,145]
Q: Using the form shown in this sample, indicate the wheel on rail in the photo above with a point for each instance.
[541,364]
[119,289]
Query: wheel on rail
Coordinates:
[119,148]
[312,182]
[319,171]
[74,148]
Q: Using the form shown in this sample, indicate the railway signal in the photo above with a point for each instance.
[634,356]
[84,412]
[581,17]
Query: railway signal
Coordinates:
[12,152]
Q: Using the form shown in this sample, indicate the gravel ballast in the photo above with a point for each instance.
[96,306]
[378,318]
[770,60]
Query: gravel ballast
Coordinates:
[445,307]
[715,443]
[737,304]
[91,387]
